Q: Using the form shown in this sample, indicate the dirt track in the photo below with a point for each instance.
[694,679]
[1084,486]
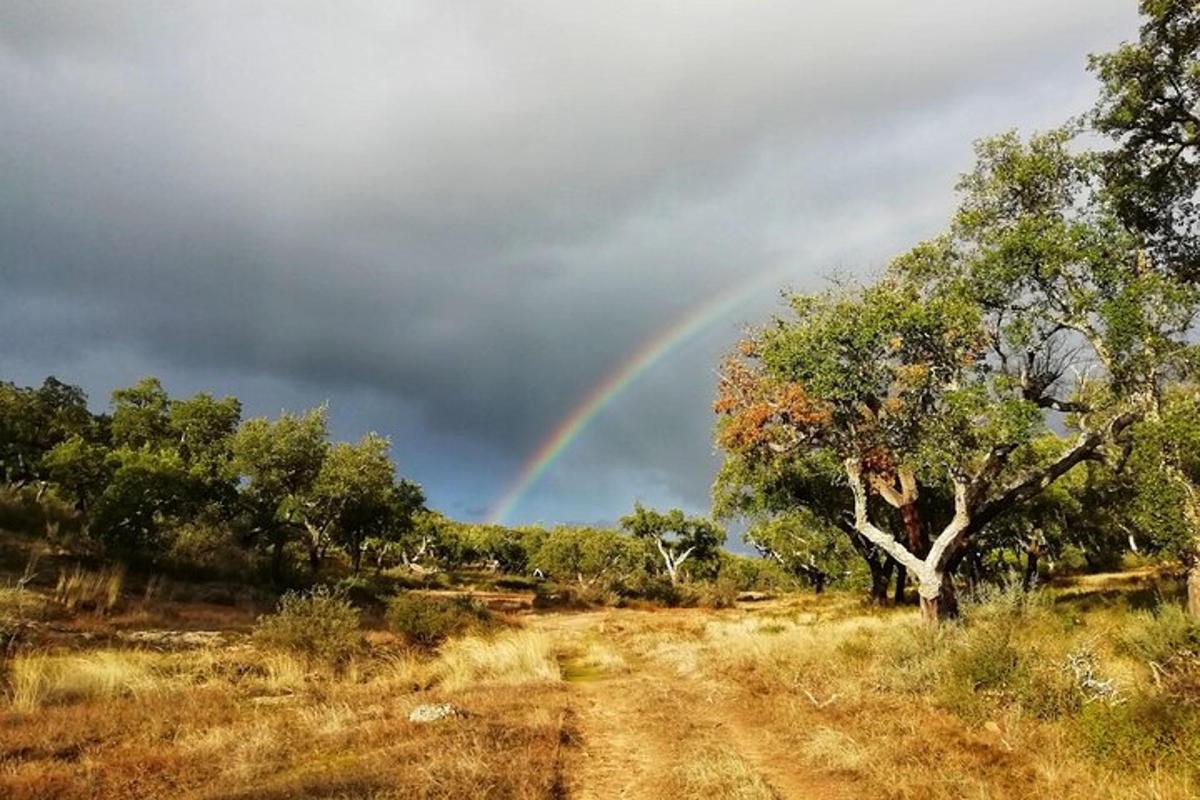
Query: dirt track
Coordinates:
[641,731]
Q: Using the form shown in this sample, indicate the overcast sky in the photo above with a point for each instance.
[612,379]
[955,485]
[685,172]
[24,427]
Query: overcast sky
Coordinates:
[451,219]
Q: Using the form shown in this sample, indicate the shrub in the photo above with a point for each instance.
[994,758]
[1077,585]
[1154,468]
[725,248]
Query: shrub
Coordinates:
[654,588]
[1047,690]
[1160,634]
[320,624]
[710,594]
[426,622]
[1146,729]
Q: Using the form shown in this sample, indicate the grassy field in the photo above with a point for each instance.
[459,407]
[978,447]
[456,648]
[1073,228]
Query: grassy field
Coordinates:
[1083,691]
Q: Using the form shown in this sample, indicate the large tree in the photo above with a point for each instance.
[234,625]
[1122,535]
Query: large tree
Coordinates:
[1036,311]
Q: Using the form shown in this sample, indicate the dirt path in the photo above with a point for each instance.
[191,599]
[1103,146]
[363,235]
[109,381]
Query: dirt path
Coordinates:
[649,732]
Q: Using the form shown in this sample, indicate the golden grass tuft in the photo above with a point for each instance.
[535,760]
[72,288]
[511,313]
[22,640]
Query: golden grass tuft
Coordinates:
[39,680]
[98,590]
[717,771]
[512,658]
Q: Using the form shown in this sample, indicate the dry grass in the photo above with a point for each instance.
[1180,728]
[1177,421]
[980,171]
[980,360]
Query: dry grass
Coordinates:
[237,722]
[39,680]
[708,704]
[98,590]
[717,772]
[512,658]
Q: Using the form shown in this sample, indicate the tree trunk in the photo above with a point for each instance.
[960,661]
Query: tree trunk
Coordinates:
[901,579]
[1031,569]
[357,558]
[277,559]
[975,572]
[818,582]
[314,559]
[938,599]
[880,578]
[1193,589]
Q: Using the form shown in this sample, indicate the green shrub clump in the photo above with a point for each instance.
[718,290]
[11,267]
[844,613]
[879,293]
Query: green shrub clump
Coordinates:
[1159,635]
[320,624]
[1145,730]
[427,622]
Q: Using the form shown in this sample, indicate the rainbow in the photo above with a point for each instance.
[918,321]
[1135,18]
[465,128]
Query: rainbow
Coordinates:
[604,392]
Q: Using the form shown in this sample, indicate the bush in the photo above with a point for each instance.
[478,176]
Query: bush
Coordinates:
[654,588]
[320,624]
[426,622]
[1160,634]
[1146,729]
[710,594]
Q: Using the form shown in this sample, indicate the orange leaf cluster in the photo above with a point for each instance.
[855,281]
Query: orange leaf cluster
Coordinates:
[762,411]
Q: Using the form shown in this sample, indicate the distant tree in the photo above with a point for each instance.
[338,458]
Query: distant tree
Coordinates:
[34,421]
[945,372]
[677,537]
[348,499]
[147,489]
[201,431]
[500,548]
[278,462]
[411,532]
[804,546]
[589,556]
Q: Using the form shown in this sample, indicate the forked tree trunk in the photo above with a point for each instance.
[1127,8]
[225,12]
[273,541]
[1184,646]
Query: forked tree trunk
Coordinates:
[938,598]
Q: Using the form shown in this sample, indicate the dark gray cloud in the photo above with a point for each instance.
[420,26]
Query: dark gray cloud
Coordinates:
[451,219]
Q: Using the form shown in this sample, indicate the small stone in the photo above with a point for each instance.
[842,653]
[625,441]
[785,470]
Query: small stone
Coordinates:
[433,712]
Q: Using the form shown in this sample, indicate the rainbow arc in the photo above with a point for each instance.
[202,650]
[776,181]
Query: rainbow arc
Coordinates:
[627,372]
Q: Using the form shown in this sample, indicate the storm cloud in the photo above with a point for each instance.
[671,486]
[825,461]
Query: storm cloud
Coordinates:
[451,219]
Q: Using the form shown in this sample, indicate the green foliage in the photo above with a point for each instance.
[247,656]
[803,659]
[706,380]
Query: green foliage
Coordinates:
[350,499]
[147,489]
[1156,636]
[677,537]
[427,622]
[804,546]
[591,556]
[34,421]
[1147,729]
[320,624]
[140,417]
[1163,477]
[1150,90]
[82,469]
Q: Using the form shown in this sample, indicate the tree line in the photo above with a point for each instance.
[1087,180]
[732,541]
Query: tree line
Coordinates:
[164,481]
